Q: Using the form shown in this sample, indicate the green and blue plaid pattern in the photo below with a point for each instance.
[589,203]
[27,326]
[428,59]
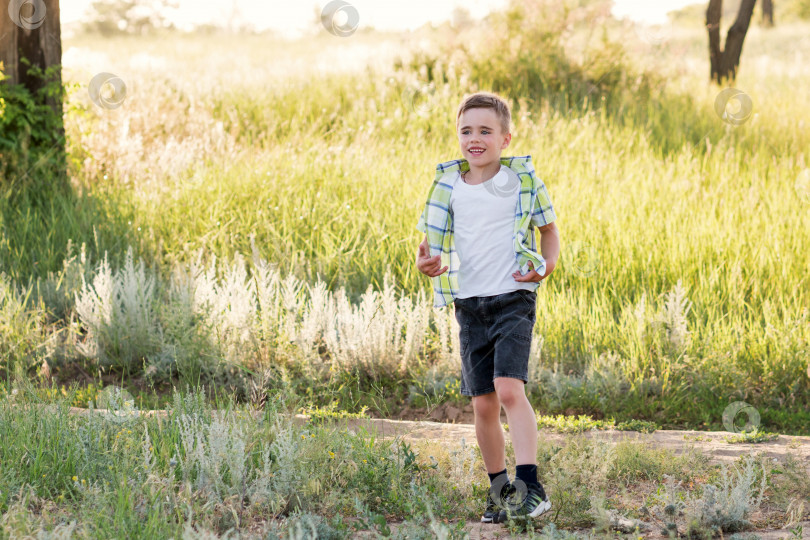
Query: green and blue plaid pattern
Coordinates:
[533,209]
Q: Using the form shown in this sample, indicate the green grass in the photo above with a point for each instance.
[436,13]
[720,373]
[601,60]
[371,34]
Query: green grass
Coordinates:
[147,476]
[571,424]
[327,178]
[681,288]
[754,436]
[218,466]
[321,414]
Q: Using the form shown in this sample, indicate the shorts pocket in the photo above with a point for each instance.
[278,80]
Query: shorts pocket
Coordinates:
[463,330]
[526,338]
[529,298]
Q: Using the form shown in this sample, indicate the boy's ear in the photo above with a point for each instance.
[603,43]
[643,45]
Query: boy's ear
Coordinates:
[507,140]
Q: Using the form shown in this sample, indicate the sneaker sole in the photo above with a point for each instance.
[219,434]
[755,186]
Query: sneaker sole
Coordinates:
[500,518]
[541,509]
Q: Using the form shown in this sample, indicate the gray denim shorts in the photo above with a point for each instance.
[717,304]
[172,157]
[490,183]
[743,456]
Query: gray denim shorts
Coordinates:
[495,333]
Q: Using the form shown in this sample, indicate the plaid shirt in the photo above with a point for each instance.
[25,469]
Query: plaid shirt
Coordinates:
[533,209]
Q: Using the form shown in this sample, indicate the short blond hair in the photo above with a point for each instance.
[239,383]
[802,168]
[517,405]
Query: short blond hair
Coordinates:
[487,100]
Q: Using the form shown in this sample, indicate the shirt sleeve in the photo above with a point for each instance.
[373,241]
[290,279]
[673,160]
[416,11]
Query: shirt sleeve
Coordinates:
[543,212]
[421,223]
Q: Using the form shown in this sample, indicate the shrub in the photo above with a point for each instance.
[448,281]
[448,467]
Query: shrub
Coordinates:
[534,56]
[118,311]
[725,506]
[32,145]
[433,386]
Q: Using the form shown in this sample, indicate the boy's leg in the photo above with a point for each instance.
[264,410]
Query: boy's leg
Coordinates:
[517,316]
[520,417]
[477,357]
[490,437]
[516,319]
[488,431]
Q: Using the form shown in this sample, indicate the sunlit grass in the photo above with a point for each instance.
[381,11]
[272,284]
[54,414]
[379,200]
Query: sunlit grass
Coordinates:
[271,192]
[682,283]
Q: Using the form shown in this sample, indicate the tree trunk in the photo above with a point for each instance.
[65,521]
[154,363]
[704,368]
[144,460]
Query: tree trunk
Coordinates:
[30,30]
[31,42]
[713,14]
[724,63]
[767,13]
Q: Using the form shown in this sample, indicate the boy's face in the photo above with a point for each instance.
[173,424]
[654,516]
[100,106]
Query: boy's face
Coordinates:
[480,136]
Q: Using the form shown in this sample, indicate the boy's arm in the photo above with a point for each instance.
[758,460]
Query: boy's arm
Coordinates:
[549,246]
[544,218]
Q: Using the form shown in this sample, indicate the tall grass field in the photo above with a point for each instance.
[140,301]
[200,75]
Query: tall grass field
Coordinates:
[231,218]
[245,222]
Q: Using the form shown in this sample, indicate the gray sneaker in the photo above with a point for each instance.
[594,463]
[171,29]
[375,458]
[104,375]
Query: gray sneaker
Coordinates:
[493,513]
[499,490]
[534,502]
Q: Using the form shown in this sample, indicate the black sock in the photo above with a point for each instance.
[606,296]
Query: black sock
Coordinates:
[493,476]
[526,473]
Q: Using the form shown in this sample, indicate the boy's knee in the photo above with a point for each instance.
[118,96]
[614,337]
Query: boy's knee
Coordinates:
[508,398]
[487,405]
[509,394]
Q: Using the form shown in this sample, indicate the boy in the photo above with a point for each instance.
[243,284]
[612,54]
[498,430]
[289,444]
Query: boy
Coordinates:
[478,220]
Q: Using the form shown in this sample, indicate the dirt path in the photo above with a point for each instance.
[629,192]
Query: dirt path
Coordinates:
[710,443]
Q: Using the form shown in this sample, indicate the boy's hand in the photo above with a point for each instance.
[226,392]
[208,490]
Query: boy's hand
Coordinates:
[531,275]
[550,248]
[426,264]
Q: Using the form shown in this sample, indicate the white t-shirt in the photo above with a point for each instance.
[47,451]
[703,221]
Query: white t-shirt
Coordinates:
[483,227]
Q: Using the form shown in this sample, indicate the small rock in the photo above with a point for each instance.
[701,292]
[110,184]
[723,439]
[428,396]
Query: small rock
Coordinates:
[437,414]
[468,408]
[625,525]
[452,413]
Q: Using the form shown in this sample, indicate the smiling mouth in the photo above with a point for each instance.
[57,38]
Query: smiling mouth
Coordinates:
[477,151]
